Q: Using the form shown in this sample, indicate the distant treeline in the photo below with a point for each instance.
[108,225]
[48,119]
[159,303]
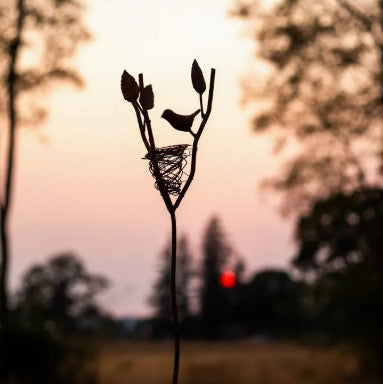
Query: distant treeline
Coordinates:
[330,293]
[267,304]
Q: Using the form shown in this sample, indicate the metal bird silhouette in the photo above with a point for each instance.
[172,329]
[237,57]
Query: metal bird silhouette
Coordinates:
[180,122]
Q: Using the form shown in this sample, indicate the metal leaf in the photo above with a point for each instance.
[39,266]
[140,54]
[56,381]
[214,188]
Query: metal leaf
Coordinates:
[129,87]
[147,97]
[197,78]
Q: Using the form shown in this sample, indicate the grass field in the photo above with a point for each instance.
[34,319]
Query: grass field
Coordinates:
[228,363]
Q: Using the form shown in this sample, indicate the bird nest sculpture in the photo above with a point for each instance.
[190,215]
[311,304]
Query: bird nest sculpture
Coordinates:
[167,164]
[171,161]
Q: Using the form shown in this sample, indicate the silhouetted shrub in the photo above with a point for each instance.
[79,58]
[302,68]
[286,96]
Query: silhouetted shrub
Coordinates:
[35,357]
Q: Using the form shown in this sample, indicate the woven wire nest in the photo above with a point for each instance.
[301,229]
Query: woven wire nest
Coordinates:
[172,161]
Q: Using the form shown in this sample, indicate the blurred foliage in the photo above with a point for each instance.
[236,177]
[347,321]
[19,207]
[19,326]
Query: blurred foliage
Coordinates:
[271,304]
[323,93]
[341,247]
[38,39]
[52,32]
[60,296]
[317,83]
[44,340]
[38,357]
[341,231]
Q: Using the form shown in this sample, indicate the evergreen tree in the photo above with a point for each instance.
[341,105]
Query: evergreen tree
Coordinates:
[216,253]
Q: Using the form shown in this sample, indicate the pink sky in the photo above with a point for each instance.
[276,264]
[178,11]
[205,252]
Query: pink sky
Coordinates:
[87,189]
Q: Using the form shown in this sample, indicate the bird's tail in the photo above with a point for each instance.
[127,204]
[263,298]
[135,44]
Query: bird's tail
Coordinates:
[195,113]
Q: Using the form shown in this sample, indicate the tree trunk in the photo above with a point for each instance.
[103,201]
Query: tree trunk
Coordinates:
[14,51]
[4,268]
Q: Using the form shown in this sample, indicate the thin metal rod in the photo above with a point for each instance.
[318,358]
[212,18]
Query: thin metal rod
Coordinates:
[174,299]
[157,174]
[196,139]
[141,126]
[201,105]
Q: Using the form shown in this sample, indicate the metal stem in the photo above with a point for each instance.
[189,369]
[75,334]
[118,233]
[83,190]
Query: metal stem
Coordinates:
[174,298]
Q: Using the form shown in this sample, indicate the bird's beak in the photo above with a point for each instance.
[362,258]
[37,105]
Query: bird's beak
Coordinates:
[163,114]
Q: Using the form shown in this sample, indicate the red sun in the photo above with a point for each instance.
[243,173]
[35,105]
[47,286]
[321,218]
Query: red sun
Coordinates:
[227,279]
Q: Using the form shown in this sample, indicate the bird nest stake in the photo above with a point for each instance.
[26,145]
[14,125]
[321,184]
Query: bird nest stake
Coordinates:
[167,164]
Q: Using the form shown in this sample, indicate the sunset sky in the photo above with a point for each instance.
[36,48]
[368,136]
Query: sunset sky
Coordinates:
[81,184]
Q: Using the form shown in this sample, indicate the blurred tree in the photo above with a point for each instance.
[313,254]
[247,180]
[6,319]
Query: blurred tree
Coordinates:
[160,298]
[341,248]
[318,83]
[214,298]
[60,294]
[321,89]
[271,303]
[37,40]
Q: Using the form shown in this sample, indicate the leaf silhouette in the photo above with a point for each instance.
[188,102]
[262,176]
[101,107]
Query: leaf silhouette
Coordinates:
[129,87]
[197,78]
[147,97]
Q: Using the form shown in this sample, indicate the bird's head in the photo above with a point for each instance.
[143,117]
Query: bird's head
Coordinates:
[167,113]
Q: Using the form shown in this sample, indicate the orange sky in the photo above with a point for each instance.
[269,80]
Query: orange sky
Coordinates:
[88,190]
